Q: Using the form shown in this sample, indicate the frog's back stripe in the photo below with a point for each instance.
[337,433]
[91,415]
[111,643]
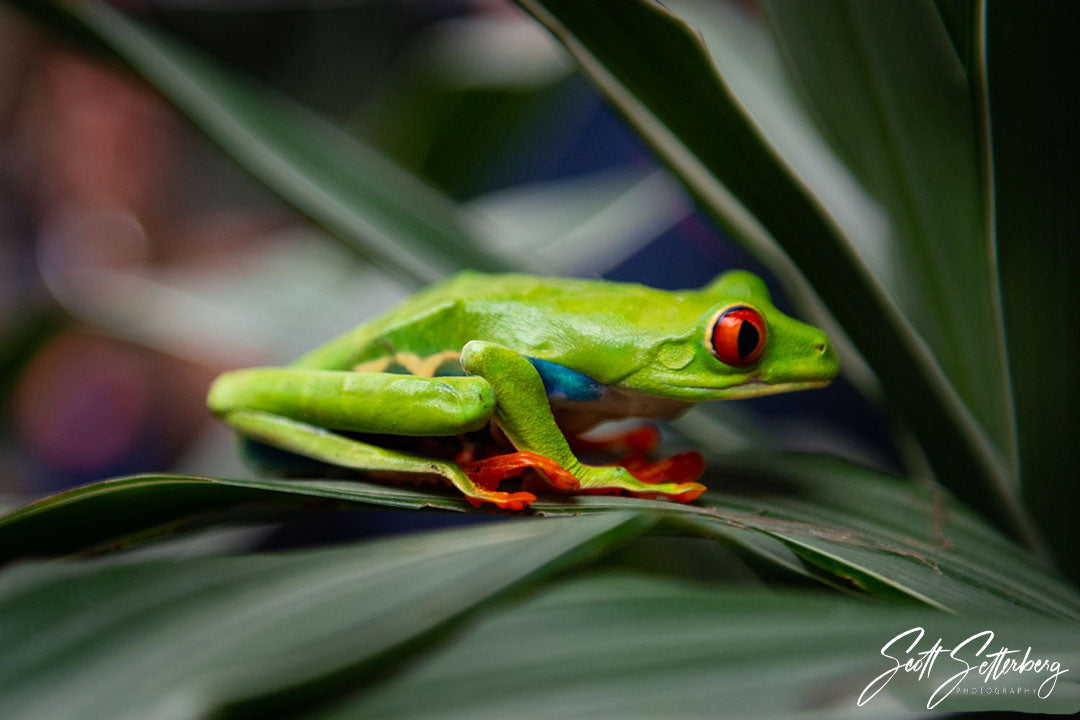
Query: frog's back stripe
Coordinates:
[447,362]
[562,383]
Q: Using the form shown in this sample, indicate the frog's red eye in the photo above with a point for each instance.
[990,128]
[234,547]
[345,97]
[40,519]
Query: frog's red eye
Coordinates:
[738,336]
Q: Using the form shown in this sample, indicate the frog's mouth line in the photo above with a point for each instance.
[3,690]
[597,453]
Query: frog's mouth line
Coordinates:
[758,388]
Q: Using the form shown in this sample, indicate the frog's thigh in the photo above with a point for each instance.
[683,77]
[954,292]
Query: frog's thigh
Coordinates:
[522,410]
[357,401]
[315,442]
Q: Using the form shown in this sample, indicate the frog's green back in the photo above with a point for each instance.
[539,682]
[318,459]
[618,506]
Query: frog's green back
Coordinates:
[604,329]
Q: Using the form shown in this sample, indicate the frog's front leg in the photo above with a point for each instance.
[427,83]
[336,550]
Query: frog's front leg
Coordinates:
[295,408]
[524,414]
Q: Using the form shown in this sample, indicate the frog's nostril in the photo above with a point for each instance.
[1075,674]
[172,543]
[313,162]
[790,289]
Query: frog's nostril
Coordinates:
[820,347]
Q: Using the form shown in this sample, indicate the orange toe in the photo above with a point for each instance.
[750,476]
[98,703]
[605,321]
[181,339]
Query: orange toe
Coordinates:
[503,500]
[490,472]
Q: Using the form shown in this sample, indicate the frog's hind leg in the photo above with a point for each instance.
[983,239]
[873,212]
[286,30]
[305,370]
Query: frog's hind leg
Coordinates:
[319,444]
[525,416]
[295,408]
[366,402]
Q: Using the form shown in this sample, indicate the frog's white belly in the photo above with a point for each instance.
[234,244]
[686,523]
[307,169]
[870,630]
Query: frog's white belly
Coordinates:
[576,416]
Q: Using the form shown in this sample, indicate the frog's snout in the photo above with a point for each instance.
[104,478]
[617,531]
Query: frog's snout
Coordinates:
[826,357]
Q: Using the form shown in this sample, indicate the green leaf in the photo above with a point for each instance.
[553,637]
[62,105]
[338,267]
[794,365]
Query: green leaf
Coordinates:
[1034,95]
[956,15]
[744,54]
[627,646]
[361,197]
[130,510]
[168,638]
[697,125]
[891,537]
[903,121]
[812,515]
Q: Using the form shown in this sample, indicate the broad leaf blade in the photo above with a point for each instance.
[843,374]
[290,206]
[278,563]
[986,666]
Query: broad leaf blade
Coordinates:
[813,515]
[888,536]
[903,120]
[698,127]
[742,50]
[956,15]
[629,646]
[130,510]
[1034,93]
[361,197]
[171,638]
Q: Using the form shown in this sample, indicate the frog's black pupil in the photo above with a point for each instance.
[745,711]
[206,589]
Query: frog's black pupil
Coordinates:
[748,338]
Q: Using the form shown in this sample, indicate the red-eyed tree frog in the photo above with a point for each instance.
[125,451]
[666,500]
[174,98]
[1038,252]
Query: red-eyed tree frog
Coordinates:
[539,360]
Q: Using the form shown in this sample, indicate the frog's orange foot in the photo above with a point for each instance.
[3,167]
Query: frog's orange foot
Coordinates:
[502,500]
[490,472]
[638,442]
[679,469]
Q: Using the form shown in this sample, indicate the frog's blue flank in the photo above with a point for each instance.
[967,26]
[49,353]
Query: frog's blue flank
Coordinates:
[562,383]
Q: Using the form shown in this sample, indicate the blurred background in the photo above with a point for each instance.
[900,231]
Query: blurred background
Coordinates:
[137,261]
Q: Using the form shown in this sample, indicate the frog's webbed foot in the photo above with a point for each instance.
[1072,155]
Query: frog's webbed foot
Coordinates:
[490,472]
[674,477]
[671,479]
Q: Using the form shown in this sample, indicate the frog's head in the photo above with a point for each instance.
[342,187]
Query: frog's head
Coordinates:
[742,346]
